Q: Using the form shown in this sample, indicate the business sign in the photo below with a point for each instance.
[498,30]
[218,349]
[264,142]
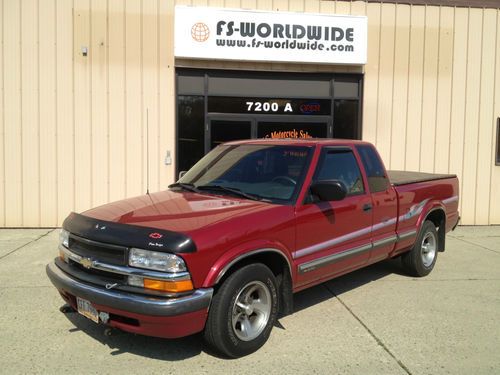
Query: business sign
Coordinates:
[228,34]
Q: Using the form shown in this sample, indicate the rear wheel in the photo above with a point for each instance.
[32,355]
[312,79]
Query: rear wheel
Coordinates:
[420,260]
[243,312]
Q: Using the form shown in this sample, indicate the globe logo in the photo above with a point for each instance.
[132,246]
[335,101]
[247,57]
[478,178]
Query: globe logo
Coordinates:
[200,32]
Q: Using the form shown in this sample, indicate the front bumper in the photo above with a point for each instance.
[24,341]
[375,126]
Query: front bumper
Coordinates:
[151,315]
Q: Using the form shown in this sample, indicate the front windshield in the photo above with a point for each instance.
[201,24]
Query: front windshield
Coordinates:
[266,172]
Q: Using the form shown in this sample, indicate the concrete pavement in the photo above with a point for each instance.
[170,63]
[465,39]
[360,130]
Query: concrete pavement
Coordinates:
[373,321]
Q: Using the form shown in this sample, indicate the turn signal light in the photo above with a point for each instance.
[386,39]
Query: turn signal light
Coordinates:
[168,286]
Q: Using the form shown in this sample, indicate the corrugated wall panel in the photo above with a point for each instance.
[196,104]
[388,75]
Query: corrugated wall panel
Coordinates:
[133,101]
[99,102]
[473,81]
[495,170]
[77,130]
[167,92]
[444,90]
[150,97]
[370,107]
[415,88]
[48,116]
[385,81]
[458,95]
[13,123]
[485,144]
[429,90]
[2,124]
[82,105]
[116,100]
[65,165]
[400,88]
[30,113]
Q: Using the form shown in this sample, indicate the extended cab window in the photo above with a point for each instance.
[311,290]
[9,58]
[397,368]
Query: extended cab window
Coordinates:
[340,165]
[377,180]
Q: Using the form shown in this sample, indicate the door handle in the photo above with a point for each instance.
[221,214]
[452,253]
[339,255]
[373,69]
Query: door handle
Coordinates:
[367,207]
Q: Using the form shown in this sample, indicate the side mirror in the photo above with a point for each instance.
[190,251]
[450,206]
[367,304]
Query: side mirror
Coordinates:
[329,190]
[181,174]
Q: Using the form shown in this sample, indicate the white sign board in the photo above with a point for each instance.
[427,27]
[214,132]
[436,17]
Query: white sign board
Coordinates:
[229,34]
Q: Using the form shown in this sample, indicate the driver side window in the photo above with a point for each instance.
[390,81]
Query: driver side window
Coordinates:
[340,165]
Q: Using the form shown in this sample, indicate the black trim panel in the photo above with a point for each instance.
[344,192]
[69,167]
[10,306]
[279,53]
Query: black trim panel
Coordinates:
[128,235]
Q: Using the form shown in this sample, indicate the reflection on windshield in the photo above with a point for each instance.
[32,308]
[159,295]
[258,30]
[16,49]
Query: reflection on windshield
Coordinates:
[265,172]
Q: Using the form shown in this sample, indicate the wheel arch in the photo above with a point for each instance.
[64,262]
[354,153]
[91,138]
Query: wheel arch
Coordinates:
[437,215]
[275,260]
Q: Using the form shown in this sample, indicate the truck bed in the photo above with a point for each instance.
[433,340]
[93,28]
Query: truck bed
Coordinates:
[398,178]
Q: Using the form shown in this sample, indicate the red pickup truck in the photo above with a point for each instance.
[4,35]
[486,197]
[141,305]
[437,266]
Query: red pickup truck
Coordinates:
[224,248]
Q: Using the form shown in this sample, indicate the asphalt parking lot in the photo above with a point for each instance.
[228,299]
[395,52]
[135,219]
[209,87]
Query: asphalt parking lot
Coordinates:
[373,321]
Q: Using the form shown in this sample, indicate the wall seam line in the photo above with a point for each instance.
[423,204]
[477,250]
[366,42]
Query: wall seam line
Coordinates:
[437,91]
[378,71]
[479,114]
[4,181]
[38,113]
[144,161]
[465,98]
[408,84]
[422,90]
[451,88]
[21,110]
[125,92]
[158,73]
[56,119]
[91,107]
[108,142]
[393,79]
[73,102]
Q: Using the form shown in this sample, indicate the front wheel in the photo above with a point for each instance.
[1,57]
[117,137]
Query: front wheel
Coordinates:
[420,260]
[243,312]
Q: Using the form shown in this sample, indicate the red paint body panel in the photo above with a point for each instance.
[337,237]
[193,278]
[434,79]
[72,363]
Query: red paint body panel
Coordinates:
[339,234]
[158,326]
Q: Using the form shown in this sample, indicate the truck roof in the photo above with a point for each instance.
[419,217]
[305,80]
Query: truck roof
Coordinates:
[300,142]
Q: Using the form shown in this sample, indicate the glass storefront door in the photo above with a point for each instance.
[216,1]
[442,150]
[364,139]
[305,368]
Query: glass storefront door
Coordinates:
[225,130]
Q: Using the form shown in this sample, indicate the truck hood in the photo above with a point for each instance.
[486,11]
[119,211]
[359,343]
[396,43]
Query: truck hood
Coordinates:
[176,211]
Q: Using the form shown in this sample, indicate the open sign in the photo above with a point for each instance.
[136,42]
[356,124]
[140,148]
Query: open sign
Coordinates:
[308,108]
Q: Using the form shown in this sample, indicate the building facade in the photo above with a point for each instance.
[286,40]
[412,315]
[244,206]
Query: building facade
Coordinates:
[102,100]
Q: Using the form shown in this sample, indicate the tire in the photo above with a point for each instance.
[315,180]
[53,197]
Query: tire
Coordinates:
[243,312]
[420,260]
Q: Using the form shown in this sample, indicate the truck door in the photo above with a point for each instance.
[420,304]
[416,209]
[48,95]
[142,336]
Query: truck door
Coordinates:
[385,205]
[333,237]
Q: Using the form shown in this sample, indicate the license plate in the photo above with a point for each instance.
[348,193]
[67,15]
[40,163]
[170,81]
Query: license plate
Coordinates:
[87,310]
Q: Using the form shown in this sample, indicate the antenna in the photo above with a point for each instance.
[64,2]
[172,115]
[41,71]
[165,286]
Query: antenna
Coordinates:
[147,151]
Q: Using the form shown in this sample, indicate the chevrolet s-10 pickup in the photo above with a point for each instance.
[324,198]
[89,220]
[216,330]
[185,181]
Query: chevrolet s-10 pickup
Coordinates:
[225,247]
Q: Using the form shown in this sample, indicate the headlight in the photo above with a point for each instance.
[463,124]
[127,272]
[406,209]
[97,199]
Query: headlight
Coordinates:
[64,238]
[153,260]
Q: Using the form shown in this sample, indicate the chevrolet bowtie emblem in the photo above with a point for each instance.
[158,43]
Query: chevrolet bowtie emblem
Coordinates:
[86,262]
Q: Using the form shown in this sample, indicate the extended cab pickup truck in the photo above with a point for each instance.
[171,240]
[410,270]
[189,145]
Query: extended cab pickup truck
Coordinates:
[226,246]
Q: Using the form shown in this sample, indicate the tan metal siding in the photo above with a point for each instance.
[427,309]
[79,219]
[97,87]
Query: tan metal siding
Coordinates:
[494,201]
[2,122]
[75,130]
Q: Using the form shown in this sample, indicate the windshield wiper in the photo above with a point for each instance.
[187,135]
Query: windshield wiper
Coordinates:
[185,186]
[231,190]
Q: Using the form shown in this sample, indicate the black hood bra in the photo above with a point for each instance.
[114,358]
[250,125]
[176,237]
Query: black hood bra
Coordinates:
[128,235]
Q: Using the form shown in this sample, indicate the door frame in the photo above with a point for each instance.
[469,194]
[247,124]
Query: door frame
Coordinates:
[225,117]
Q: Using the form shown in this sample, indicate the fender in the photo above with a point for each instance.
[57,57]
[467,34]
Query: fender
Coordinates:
[430,207]
[231,257]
